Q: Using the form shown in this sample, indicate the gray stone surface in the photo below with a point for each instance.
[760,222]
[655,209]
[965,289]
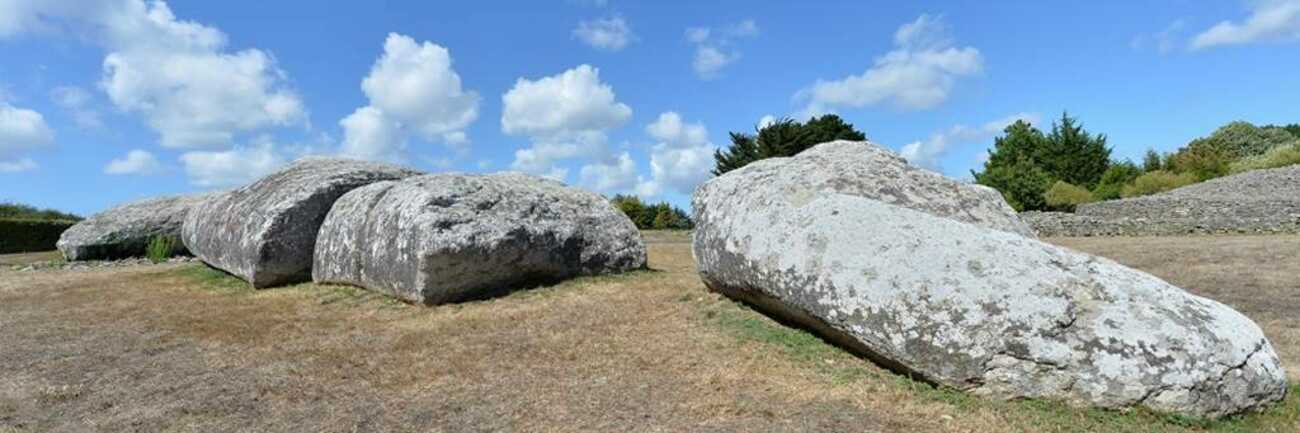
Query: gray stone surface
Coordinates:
[446,237]
[868,170]
[967,305]
[125,231]
[1254,202]
[265,232]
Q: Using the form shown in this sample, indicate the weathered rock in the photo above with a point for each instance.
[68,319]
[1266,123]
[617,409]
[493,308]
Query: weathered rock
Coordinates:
[868,170]
[965,304]
[126,230]
[265,232]
[447,237]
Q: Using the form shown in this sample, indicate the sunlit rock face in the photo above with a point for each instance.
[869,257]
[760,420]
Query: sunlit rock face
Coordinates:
[448,237]
[126,230]
[265,232]
[943,283]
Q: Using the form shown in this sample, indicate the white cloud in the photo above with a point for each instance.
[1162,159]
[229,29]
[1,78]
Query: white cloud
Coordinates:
[177,74]
[611,34]
[682,157]
[709,60]
[766,120]
[232,167]
[714,48]
[413,90]
[22,129]
[614,176]
[77,102]
[918,74]
[1268,20]
[564,116]
[1163,42]
[929,152]
[17,166]
[135,162]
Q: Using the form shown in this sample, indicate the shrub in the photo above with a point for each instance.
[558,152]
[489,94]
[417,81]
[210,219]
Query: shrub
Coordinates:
[1280,156]
[162,248]
[1202,161]
[1065,197]
[1113,180]
[1157,181]
[27,235]
[1241,140]
[25,212]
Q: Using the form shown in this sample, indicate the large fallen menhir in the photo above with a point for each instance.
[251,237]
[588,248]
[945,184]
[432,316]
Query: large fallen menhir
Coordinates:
[126,230]
[939,282]
[265,232]
[448,237]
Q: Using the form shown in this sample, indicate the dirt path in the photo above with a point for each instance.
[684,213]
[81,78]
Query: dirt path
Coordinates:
[179,348]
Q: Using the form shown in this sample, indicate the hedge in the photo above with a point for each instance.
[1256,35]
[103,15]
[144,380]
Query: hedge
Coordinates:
[26,235]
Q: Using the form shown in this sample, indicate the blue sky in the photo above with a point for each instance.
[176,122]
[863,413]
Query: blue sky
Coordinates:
[104,101]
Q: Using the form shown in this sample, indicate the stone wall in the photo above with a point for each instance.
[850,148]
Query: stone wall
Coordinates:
[1254,202]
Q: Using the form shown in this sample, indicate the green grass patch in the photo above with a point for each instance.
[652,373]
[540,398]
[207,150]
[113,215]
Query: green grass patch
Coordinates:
[161,248]
[214,280]
[842,368]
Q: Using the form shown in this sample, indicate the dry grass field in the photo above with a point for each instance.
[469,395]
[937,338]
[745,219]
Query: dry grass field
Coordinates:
[184,348]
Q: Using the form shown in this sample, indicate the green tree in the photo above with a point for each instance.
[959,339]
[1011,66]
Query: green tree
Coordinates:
[1119,174]
[1021,182]
[635,209]
[1151,161]
[784,137]
[1073,155]
[1012,168]
[660,216]
[1024,162]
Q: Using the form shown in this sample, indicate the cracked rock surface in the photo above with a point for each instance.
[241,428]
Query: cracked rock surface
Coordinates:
[446,237]
[125,231]
[964,302]
[265,232]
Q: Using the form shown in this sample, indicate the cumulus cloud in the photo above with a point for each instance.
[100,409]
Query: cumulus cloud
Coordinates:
[77,102]
[180,76]
[928,153]
[232,167]
[681,158]
[610,34]
[1268,20]
[564,116]
[714,48]
[21,130]
[413,90]
[918,74]
[182,79]
[616,175]
[1163,42]
[18,165]
[135,162]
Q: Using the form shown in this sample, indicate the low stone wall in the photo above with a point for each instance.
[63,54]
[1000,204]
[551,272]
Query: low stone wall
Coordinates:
[1053,224]
[1254,202]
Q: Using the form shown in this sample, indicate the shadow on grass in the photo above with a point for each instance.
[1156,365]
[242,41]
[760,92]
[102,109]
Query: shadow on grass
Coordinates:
[219,281]
[842,368]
